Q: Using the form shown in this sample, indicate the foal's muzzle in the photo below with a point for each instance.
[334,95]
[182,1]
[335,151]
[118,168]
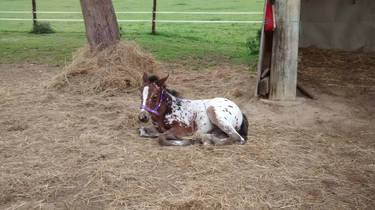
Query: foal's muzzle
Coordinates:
[143,117]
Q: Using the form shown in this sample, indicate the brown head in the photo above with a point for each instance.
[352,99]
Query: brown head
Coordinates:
[152,96]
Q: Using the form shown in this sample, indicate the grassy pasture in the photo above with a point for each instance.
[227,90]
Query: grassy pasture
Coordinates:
[193,43]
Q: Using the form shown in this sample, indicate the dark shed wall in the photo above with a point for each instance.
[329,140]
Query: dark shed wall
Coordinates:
[338,24]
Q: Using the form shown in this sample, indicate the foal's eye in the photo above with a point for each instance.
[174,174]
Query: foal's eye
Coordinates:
[154,98]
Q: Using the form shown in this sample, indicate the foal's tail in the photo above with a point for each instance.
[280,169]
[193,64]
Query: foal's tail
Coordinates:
[244,127]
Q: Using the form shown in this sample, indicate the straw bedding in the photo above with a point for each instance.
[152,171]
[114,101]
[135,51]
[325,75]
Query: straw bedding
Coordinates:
[62,150]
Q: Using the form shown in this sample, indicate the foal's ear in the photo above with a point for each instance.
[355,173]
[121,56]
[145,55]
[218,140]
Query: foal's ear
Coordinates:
[145,78]
[161,82]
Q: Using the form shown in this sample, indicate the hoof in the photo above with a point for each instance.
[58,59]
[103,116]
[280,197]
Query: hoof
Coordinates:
[142,133]
[242,141]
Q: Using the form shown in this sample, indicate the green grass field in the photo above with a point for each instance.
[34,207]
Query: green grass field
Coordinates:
[175,42]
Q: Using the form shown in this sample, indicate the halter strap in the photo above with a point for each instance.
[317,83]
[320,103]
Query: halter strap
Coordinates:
[155,110]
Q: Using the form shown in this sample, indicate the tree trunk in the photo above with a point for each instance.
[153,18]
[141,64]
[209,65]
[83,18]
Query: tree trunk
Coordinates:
[283,83]
[100,22]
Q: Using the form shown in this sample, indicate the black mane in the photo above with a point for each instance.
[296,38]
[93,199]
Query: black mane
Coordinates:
[174,93]
[154,78]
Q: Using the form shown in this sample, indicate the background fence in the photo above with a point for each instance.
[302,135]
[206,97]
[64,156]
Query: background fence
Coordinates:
[205,31]
[53,11]
[137,20]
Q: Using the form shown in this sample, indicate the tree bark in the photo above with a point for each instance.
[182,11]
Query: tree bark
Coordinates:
[283,77]
[100,22]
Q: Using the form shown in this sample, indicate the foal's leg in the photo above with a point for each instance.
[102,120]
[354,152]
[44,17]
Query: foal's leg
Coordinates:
[173,137]
[226,127]
[149,132]
[205,139]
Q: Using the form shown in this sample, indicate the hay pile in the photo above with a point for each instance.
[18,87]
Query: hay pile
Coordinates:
[114,69]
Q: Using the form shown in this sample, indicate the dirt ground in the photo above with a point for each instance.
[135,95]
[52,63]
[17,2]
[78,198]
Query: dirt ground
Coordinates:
[64,150]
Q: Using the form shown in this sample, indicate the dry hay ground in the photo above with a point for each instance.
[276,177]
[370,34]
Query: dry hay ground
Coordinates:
[62,149]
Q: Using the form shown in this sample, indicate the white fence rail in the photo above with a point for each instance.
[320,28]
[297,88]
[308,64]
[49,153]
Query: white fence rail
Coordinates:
[121,20]
[160,12]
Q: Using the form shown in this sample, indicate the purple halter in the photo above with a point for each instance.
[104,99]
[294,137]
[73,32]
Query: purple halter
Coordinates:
[155,110]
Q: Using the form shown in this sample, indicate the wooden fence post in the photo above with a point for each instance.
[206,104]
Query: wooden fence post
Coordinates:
[34,11]
[283,78]
[264,61]
[100,22]
[153,32]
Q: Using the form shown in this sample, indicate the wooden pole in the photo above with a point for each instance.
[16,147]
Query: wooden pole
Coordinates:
[100,22]
[283,77]
[261,53]
[264,61]
[153,32]
[34,11]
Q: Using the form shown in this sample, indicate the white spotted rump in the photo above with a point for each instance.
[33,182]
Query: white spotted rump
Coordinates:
[190,113]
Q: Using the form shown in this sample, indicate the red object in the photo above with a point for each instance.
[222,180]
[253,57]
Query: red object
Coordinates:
[269,22]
